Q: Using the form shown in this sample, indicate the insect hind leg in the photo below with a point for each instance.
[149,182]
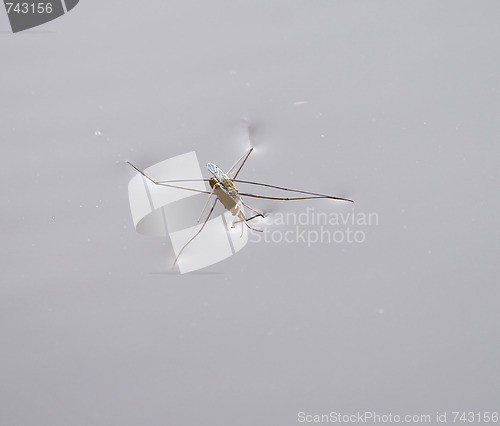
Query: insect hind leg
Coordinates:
[255,211]
[244,220]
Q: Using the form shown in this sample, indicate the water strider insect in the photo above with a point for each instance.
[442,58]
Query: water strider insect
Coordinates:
[223,187]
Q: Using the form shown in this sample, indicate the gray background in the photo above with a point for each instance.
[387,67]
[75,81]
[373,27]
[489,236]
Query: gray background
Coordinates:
[402,116]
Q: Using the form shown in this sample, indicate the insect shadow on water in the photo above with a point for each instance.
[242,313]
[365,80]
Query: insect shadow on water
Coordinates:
[223,187]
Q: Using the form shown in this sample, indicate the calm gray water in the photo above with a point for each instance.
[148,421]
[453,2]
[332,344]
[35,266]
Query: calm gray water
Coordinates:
[394,104]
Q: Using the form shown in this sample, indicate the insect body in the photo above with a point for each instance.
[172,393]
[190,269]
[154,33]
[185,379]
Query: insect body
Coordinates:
[225,190]
[223,187]
[222,181]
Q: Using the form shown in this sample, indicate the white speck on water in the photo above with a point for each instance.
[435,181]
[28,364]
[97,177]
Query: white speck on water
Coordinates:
[97,133]
[381,311]
[301,102]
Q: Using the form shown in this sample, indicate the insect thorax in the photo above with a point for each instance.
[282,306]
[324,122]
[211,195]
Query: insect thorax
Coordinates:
[227,193]
[228,185]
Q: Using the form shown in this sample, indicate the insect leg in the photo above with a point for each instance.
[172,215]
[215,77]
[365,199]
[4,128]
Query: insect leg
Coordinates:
[248,219]
[253,217]
[164,184]
[236,215]
[294,198]
[198,233]
[245,221]
[255,211]
[244,158]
